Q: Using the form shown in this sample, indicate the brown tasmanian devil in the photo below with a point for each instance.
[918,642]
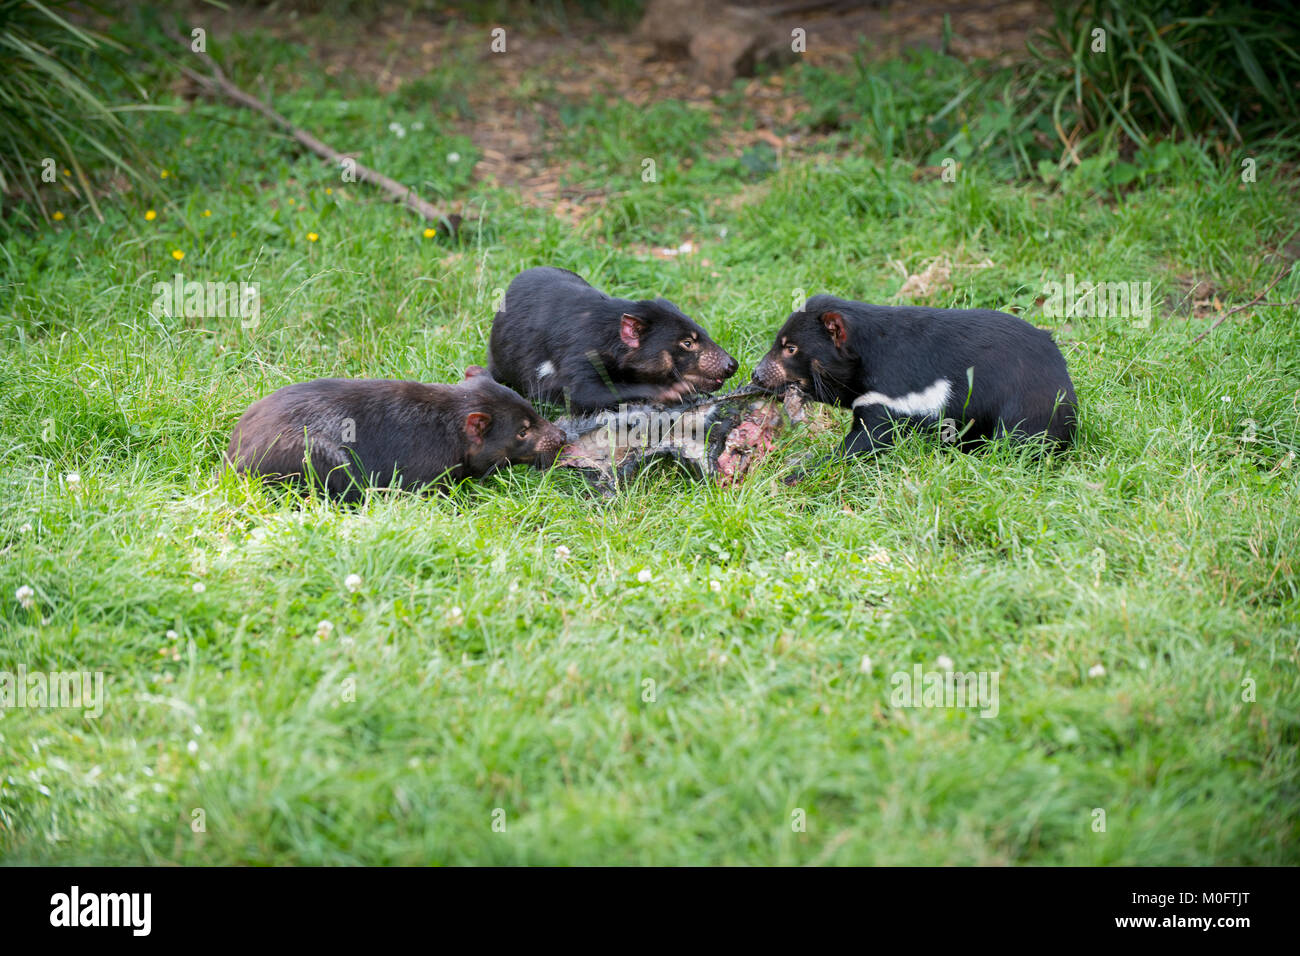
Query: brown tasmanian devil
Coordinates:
[345,434]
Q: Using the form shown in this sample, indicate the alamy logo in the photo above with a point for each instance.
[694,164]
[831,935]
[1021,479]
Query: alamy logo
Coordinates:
[636,428]
[208,300]
[1124,300]
[83,689]
[103,909]
[946,688]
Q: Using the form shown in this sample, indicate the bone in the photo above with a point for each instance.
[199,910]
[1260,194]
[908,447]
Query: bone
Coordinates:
[721,438]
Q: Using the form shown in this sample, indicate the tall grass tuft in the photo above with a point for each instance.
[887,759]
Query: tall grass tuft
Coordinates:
[56,112]
[1103,84]
[1115,74]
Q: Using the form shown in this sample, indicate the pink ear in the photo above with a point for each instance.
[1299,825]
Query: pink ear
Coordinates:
[630,329]
[474,371]
[476,426]
[838,331]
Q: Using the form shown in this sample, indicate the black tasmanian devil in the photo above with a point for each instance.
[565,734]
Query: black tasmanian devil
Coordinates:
[348,433]
[557,339]
[976,373]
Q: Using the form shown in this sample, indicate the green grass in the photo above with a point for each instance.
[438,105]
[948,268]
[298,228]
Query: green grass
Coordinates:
[1161,547]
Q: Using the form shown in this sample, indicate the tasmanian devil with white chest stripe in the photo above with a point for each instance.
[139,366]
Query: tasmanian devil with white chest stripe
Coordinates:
[559,340]
[977,373]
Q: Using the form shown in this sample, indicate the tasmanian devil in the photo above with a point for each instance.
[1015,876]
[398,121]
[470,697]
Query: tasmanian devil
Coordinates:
[347,433]
[976,373]
[559,340]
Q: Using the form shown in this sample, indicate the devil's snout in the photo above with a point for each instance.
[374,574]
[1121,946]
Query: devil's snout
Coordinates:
[766,375]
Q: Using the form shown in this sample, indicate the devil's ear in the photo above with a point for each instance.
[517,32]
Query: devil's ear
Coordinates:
[833,322]
[474,371]
[476,426]
[630,328]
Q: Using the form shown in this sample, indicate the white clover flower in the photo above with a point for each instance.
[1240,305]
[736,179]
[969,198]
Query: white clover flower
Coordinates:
[562,552]
[715,586]
[26,528]
[1226,399]
[352,582]
[865,666]
[791,556]
[26,596]
[199,587]
[73,480]
[1096,670]
[645,575]
[172,635]
[453,158]
[944,662]
[456,617]
[192,746]
[397,129]
[323,630]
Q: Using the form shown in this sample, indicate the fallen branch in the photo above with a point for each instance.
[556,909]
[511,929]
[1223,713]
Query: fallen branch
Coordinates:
[218,82]
[1241,308]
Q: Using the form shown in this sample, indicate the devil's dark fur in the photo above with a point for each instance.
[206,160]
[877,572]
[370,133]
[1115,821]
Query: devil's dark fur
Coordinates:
[976,373]
[348,433]
[559,340]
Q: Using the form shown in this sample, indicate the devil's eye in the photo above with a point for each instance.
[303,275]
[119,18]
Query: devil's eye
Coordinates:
[791,349]
[688,344]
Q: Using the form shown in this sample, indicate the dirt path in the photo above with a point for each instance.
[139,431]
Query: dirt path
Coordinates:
[544,67]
